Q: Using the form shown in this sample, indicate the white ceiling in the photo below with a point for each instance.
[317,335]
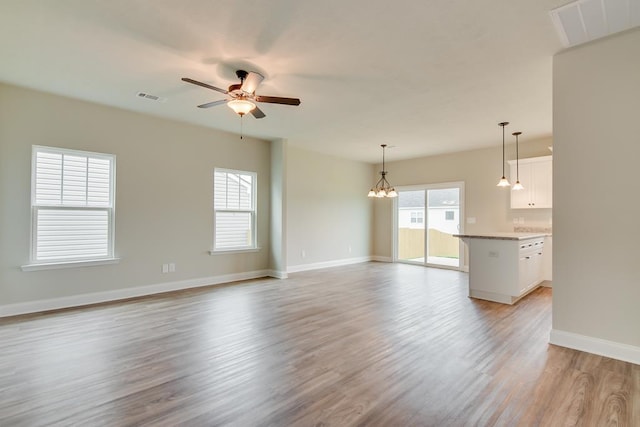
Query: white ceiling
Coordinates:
[427,77]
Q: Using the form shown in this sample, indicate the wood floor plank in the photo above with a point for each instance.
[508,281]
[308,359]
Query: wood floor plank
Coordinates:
[371,344]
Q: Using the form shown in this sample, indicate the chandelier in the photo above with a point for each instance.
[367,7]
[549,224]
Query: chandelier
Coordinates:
[382,187]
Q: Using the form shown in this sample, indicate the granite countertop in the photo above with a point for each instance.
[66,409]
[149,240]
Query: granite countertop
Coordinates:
[502,236]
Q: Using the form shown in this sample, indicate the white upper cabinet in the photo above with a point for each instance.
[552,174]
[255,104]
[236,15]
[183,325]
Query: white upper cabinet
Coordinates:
[536,176]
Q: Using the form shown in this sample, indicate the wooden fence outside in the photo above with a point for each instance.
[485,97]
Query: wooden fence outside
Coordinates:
[411,244]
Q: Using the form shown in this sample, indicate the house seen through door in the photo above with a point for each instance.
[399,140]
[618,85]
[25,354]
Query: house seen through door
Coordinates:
[427,217]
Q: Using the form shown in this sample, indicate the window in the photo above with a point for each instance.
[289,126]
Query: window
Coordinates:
[234,205]
[417,217]
[449,215]
[72,205]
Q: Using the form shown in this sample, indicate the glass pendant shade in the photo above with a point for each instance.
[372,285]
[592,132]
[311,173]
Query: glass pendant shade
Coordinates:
[241,106]
[517,186]
[504,182]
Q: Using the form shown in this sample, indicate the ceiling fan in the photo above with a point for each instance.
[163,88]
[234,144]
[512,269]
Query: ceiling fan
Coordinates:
[242,96]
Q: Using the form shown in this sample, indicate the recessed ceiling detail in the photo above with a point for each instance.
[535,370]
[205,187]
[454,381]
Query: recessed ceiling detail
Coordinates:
[585,20]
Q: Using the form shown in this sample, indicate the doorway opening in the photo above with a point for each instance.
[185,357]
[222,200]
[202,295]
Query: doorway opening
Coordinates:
[426,218]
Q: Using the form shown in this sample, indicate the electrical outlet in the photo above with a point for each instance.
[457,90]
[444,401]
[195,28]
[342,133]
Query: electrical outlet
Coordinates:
[172,267]
[471,220]
[494,254]
[303,253]
[165,268]
[349,248]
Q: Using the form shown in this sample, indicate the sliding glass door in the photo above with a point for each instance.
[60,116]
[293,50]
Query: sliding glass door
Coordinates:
[426,218]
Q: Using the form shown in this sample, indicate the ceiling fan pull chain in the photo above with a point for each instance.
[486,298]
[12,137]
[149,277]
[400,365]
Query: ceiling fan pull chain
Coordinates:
[241,127]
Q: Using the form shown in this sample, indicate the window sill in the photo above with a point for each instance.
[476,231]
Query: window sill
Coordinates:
[71,264]
[233,251]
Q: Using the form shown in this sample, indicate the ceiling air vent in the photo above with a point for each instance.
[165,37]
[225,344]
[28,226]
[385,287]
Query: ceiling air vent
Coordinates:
[151,97]
[584,20]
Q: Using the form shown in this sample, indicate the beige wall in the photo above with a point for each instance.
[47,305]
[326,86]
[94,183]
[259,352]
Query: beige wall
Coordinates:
[163,196]
[327,208]
[278,252]
[480,170]
[596,107]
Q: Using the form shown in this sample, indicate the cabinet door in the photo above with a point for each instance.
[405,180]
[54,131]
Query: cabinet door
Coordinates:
[521,199]
[530,271]
[537,179]
[542,195]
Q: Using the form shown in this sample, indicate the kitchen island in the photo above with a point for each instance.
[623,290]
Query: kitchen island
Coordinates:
[504,267]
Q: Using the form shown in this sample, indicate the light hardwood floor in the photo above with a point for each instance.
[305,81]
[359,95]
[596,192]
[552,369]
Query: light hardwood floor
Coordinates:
[372,344]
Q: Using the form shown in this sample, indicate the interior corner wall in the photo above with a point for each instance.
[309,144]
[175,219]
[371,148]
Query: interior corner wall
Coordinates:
[328,214]
[596,111]
[278,252]
[164,197]
[488,205]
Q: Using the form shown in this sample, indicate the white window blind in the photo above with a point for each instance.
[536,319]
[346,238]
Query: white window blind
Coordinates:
[234,209]
[72,205]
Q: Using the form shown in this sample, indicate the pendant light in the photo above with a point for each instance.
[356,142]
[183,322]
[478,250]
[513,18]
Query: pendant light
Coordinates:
[382,187]
[517,185]
[503,181]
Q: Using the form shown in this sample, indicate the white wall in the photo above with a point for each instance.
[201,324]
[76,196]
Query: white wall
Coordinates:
[596,107]
[328,210]
[480,170]
[163,195]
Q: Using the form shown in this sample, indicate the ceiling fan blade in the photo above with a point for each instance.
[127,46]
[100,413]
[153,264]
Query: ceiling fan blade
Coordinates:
[278,100]
[257,113]
[195,82]
[212,104]
[251,82]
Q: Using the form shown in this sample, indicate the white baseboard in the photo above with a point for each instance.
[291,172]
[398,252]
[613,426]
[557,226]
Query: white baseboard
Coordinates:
[119,294]
[381,258]
[278,274]
[327,264]
[612,349]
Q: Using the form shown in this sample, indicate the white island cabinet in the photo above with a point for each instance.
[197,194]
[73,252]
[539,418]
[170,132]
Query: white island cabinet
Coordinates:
[504,267]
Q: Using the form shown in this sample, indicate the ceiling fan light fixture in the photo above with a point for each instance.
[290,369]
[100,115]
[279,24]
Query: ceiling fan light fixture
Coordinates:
[241,106]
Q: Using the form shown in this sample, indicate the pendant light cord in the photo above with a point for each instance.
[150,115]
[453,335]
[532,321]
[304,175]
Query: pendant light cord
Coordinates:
[383,149]
[503,151]
[517,161]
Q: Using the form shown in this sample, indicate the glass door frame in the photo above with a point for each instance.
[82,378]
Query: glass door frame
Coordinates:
[425,188]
